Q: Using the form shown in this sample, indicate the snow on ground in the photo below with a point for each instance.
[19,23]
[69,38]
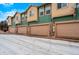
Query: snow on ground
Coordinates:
[24,45]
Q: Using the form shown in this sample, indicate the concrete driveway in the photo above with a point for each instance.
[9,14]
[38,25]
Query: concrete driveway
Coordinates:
[24,45]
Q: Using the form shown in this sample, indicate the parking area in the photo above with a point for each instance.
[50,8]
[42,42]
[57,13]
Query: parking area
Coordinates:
[11,44]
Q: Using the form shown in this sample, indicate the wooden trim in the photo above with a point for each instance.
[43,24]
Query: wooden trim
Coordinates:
[22,26]
[40,24]
[71,21]
[43,4]
[32,20]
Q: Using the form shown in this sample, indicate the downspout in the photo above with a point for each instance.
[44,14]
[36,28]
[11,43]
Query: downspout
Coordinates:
[76,11]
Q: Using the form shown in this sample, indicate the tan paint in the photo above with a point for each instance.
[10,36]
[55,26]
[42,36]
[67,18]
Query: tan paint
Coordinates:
[35,16]
[40,30]
[67,29]
[17,20]
[68,10]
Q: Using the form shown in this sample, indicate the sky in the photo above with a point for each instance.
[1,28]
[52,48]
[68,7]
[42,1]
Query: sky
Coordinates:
[9,9]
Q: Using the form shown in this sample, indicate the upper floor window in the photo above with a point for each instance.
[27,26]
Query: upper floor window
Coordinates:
[63,4]
[47,9]
[41,11]
[77,5]
[32,13]
[60,5]
[23,17]
[17,18]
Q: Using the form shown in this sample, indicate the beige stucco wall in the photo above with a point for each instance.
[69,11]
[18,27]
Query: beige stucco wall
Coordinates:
[9,20]
[40,30]
[35,16]
[17,20]
[68,10]
[69,29]
[22,30]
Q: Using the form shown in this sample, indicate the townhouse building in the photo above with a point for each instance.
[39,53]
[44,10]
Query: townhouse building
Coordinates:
[49,19]
[38,21]
[23,26]
[14,22]
[41,17]
[67,21]
[10,23]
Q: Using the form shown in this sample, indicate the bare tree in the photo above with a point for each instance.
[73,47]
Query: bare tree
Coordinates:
[4,26]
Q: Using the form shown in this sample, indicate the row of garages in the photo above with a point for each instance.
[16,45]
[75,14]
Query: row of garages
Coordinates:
[65,29]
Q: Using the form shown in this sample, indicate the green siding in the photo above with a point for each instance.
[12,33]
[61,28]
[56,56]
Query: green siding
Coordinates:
[47,19]
[63,18]
[42,19]
[13,25]
[24,23]
[77,16]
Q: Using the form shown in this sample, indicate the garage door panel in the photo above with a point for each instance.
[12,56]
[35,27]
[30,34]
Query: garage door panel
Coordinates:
[11,30]
[68,30]
[22,30]
[40,30]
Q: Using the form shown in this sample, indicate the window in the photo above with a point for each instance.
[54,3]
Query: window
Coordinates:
[60,5]
[17,18]
[28,15]
[41,11]
[63,4]
[32,13]
[23,16]
[47,9]
[48,12]
[77,5]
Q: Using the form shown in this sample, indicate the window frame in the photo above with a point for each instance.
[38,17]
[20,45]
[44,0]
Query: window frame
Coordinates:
[48,13]
[47,8]
[23,17]
[32,12]
[61,5]
[77,5]
[41,10]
